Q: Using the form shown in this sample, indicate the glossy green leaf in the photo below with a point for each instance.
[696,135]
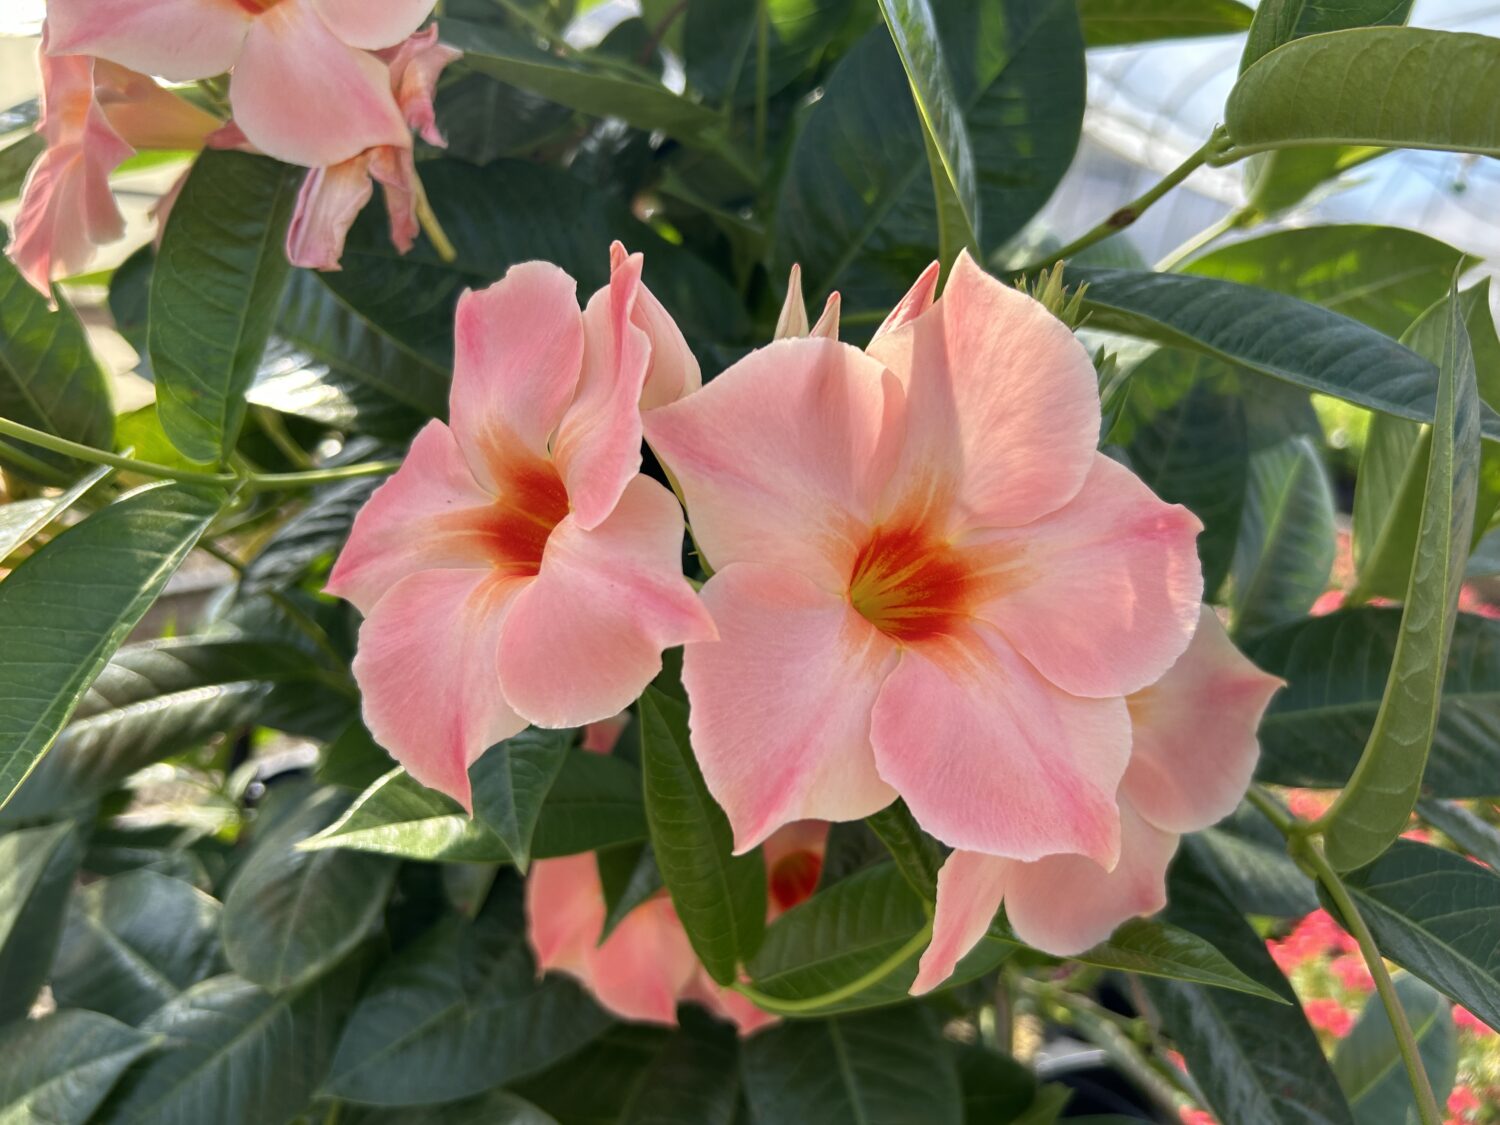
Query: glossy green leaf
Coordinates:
[913,28]
[37,866]
[1368,1063]
[49,379]
[720,898]
[1385,277]
[1154,948]
[1119,23]
[997,1089]
[235,1055]
[327,363]
[1281,21]
[1470,832]
[498,1107]
[511,783]
[20,520]
[153,700]
[1392,480]
[60,1067]
[290,913]
[1254,1060]
[65,610]
[856,206]
[1247,859]
[1336,669]
[629,876]
[1396,87]
[918,856]
[16,160]
[1287,538]
[600,1082]
[720,44]
[586,86]
[1279,180]
[1375,806]
[1268,332]
[1436,914]
[874,1068]
[457,1012]
[214,294]
[695,1078]
[133,942]
[312,536]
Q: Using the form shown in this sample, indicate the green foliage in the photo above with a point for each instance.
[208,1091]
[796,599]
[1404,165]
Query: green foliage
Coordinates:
[59,1068]
[1368,1063]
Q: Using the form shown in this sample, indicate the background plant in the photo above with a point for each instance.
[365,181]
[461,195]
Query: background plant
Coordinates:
[241,913]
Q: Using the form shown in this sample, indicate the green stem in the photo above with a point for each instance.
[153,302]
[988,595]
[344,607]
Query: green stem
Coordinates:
[811,1004]
[1237,218]
[1312,855]
[1271,809]
[36,467]
[274,428]
[1128,214]
[253,482]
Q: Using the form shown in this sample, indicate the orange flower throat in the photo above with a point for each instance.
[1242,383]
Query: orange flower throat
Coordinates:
[911,585]
[514,531]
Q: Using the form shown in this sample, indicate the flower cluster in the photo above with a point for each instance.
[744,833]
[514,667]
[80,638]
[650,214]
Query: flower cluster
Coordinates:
[926,583]
[333,85]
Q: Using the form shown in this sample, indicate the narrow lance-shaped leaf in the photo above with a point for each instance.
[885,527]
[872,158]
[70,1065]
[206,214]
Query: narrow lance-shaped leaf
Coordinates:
[214,295]
[60,1067]
[37,867]
[721,898]
[1397,87]
[950,157]
[65,610]
[1378,801]
[21,520]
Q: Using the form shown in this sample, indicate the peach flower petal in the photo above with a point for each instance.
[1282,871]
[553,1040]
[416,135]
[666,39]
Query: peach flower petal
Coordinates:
[644,965]
[1101,595]
[970,888]
[918,300]
[371,26]
[1179,779]
[426,670]
[303,96]
[992,757]
[180,40]
[1002,404]
[783,457]
[428,515]
[673,371]
[781,703]
[585,637]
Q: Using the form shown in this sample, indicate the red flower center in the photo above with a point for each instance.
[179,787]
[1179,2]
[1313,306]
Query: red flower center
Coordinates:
[794,878]
[256,7]
[515,530]
[910,585]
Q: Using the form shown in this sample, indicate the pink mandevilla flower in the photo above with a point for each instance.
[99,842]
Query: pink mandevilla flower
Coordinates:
[1193,751]
[332,197]
[647,965]
[94,116]
[928,582]
[517,568]
[304,87]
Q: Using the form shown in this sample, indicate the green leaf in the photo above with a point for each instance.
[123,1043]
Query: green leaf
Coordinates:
[235,1055]
[1368,1063]
[597,1084]
[1287,538]
[1385,277]
[694,1078]
[327,363]
[16,160]
[1119,23]
[1281,21]
[457,1012]
[1472,833]
[153,700]
[1278,180]
[997,1089]
[720,897]
[214,293]
[22,519]
[581,84]
[290,913]
[1375,806]
[719,43]
[312,536]
[855,208]
[1336,669]
[1254,1060]
[875,1068]
[1154,948]
[629,876]
[498,1107]
[1271,333]
[1396,87]
[1392,480]
[49,379]
[133,942]
[60,1067]
[1436,914]
[595,802]
[37,866]
[1247,858]
[511,784]
[914,31]
[918,856]
[65,610]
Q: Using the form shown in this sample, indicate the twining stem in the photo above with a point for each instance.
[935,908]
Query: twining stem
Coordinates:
[432,228]
[1309,855]
[808,1004]
[1125,216]
[251,482]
